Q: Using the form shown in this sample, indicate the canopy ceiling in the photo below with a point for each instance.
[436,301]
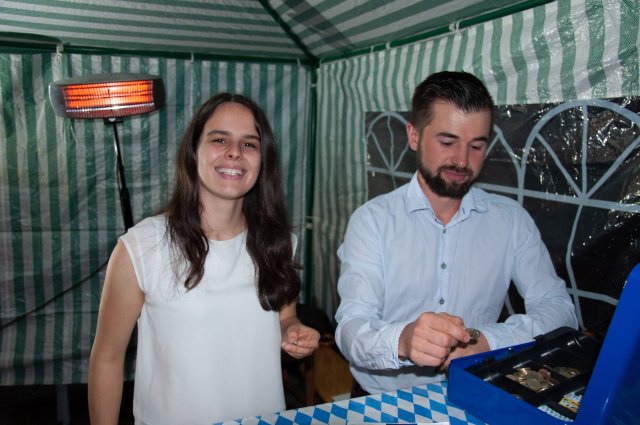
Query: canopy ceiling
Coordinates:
[270,29]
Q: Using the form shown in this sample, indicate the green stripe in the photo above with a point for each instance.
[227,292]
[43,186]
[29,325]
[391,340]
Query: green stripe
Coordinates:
[139,16]
[396,65]
[148,150]
[597,76]
[462,52]
[292,145]
[517,58]
[496,64]
[448,51]
[407,77]
[53,148]
[477,52]
[231,78]
[13,159]
[628,54]
[33,167]
[433,57]
[163,131]
[386,66]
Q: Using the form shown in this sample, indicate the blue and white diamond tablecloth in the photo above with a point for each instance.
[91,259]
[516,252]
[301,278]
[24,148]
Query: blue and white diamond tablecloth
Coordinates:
[422,404]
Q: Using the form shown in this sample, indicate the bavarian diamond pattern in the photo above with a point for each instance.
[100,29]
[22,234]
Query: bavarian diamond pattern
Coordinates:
[422,404]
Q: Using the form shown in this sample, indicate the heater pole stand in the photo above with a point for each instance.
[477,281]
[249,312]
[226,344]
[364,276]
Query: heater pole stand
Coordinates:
[125,203]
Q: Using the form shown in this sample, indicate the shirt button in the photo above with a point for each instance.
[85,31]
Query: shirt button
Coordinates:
[441,301]
[444,230]
[443,266]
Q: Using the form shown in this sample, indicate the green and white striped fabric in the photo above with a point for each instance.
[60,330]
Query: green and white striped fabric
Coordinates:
[272,29]
[59,206]
[565,50]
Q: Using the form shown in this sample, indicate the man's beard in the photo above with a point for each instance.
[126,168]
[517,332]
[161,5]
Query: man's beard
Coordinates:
[440,187]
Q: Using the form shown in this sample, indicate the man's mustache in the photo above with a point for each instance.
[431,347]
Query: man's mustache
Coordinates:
[455,169]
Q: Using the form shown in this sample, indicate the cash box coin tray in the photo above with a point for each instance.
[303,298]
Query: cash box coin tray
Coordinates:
[563,377]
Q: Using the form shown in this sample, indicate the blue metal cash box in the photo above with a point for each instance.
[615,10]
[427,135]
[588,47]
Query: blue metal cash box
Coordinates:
[564,377]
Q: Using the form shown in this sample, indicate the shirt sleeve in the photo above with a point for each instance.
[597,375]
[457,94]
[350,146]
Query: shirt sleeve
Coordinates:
[364,339]
[547,303]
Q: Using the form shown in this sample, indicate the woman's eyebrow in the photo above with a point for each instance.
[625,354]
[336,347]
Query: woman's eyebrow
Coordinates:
[228,133]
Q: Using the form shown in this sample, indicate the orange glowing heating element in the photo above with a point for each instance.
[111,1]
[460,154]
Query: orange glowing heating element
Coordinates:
[109,99]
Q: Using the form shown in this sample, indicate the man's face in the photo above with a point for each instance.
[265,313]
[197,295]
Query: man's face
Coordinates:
[451,149]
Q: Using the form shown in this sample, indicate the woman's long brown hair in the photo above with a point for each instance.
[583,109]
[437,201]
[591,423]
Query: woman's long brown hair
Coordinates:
[268,229]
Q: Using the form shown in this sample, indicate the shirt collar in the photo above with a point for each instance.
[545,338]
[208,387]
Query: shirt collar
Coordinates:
[474,200]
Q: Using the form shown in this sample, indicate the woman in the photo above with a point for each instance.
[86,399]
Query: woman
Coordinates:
[211,283]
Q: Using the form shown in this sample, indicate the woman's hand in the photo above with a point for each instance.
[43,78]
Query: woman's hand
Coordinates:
[298,340]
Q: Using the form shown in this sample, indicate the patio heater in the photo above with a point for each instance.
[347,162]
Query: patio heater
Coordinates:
[110,97]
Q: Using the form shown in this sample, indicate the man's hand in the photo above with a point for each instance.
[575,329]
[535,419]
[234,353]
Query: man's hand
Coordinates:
[431,337]
[479,345]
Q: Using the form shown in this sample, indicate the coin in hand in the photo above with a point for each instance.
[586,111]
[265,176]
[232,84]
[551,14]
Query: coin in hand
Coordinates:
[473,333]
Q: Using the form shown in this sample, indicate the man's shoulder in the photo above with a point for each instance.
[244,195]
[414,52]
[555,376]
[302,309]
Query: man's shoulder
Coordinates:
[386,201]
[494,199]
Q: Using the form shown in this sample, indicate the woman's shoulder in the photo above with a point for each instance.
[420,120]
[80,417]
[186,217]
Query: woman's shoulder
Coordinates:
[149,230]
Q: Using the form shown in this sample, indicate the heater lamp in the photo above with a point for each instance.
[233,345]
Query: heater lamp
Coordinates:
[106,95]
[110,97]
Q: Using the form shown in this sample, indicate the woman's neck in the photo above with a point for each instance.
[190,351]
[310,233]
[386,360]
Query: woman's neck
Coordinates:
[223,221]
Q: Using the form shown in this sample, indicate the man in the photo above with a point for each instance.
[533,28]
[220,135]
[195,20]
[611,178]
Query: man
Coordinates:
[425,263]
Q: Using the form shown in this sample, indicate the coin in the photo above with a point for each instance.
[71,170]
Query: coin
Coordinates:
[544,373]
[533,383]
[473,333]
[567,372]
[537,381]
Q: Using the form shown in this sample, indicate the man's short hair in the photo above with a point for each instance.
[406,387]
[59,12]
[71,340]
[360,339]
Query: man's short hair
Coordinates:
[461,89]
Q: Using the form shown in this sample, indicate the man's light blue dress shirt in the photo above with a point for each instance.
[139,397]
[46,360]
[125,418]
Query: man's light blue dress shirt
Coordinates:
[398,261]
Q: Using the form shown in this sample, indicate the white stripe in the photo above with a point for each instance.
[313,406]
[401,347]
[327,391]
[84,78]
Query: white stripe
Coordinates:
[239,77]
[254,70]
[19,112]
[611,60]
[170,27]
[455,48]
[583,51]
[401,82]
[154,137]
[471,34]
[222,77]
[506,60]
[155,41]
[555,52]
[487,71]
[173,134]
[438,45]
[202,15]
[426,14]
[45,219]
[529,57]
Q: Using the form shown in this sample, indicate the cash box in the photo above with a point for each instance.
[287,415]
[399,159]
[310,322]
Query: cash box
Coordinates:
[563,377]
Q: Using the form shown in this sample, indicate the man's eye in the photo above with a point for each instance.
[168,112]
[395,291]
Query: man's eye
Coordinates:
[250,145]
[217,140]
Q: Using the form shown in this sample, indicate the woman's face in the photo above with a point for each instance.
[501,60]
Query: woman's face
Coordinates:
[228,154]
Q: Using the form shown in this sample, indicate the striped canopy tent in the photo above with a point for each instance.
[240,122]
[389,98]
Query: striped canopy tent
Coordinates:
[319,69]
